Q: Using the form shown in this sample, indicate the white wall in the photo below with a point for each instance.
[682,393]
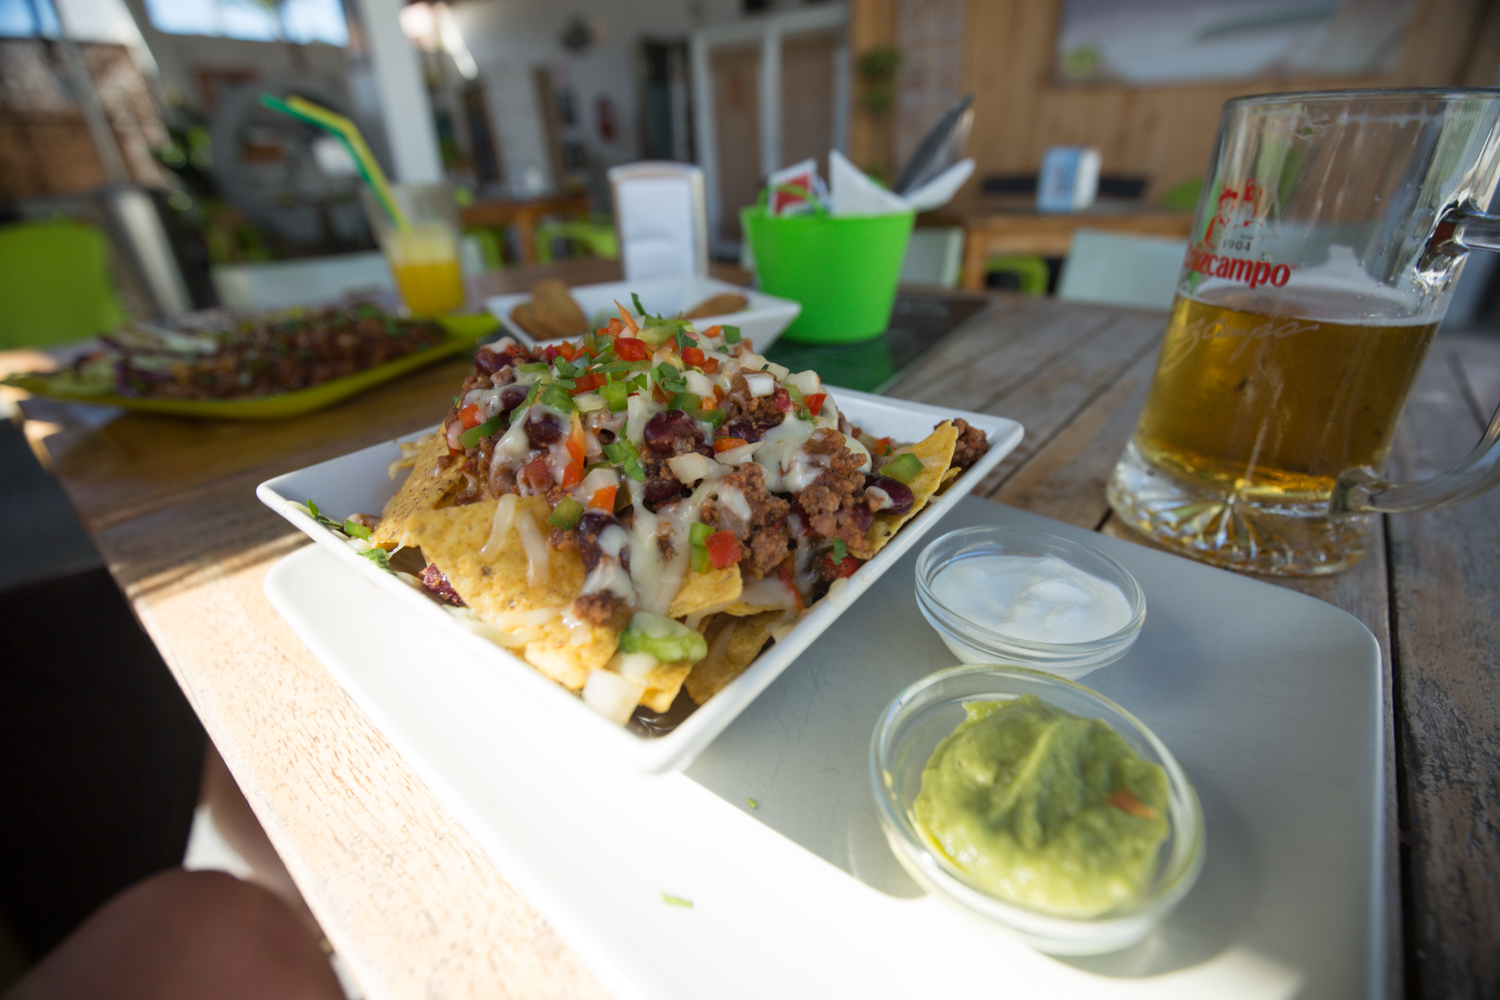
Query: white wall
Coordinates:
[510,38]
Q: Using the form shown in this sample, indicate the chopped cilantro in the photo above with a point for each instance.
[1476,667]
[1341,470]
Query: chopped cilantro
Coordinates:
[557,397]
[840,550]
[635,300]
[752,804]
[731,335]
[356,530]
[533,366]
[565,367]
[671,900]
[684,341]
[379,557]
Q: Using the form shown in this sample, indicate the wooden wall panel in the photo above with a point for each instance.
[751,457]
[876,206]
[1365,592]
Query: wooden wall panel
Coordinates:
[1163,132]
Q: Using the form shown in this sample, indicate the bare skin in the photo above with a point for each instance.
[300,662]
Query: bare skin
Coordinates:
[182,935]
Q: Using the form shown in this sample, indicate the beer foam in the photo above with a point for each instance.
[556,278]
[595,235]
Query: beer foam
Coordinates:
[1337,290]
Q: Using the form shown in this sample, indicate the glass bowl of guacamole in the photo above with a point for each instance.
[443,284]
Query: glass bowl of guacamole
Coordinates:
[1035,802]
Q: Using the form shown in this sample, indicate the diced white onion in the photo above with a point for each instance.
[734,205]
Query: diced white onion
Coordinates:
[538,558]
[780,371]
[454,430]
[760,384]
[698,383]
[637,412]
[750,361]
[806,383]
[633,664]
[611,695]
[505,516]
[691,466]
[595,481]
[588,402]
[732,499]
[740,455]
[526,618]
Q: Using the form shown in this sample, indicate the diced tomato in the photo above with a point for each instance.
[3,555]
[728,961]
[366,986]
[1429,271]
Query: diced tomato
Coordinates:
[659,394]
[783,400]
[884,446]
[784,574]
[632,349]
[723,549]
[693,356]
[843,568]
[469,416]
[713,331]
[551,352]
[718,392]
[711,365]
[572,474]
[576,443]
[603,498]
[538,473]
[726,443]
[587,383]
[567,350]
[815,402]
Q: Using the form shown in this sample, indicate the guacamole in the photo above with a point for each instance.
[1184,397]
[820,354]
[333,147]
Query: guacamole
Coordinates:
[1045,808]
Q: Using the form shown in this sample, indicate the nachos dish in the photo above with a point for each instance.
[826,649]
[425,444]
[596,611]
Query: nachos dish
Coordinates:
[638,513]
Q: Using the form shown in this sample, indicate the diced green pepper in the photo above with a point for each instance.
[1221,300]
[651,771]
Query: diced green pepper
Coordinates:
[731,334]
[655,335]
[616,394]
[698,533]
[565,515]
[666,640]
[533,366]
[903,468]
[356,530]
[557,397]
[474,435]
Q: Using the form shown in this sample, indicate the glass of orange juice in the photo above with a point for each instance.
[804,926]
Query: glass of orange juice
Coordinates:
[423,256]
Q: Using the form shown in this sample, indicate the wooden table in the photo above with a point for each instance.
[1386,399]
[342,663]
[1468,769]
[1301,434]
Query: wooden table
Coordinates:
[989,233]
[416,909]
[522,213]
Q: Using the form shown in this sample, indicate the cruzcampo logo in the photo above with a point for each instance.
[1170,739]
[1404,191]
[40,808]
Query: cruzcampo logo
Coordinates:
[1236,211]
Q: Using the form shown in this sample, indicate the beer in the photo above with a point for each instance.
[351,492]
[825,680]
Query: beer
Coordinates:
[1270,408]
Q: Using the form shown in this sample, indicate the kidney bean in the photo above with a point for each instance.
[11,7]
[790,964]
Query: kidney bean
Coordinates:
[672,432]
[542,428]
[488,362]
[512,396]
[591,524]
[899,492]
[659,492]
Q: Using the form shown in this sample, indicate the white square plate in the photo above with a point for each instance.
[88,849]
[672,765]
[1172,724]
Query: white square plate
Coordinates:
[762,322]
[359,483]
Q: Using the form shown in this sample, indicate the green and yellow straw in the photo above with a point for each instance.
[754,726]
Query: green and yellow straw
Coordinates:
[348,133]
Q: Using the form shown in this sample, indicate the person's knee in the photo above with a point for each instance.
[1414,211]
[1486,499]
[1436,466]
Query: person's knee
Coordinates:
[186,934]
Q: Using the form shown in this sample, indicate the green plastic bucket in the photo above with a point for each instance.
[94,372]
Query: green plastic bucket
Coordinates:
[842,269]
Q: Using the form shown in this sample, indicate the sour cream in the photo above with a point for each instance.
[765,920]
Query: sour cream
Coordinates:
[1036,598]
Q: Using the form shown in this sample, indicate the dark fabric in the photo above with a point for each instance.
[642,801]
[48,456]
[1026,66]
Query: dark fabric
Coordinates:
[100,755]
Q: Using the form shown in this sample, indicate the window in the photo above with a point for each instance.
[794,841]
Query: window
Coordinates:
[252,20]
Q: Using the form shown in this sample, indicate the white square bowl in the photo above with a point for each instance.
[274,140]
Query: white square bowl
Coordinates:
[359,483]
[762,321]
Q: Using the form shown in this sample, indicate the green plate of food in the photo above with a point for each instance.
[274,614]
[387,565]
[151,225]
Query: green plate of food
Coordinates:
[265,367]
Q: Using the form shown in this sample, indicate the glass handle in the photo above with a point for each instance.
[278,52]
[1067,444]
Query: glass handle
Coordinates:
[1365,491]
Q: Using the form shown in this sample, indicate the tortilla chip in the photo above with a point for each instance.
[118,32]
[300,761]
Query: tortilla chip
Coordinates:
[662,684]
[426,488]
[702,591]
[733,644]
[936,453]
[948,478]
[551,313]
[766,594]
[451,538]
[560,655]
[719,305]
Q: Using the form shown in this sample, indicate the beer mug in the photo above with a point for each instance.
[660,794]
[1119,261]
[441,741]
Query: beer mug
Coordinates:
[1329,236]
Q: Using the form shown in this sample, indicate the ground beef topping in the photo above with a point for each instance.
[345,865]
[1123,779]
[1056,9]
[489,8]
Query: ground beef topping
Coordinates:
[972,444]
[438,586]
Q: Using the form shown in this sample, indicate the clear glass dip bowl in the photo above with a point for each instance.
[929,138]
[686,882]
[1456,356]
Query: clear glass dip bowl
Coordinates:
[928,711]
[974,641]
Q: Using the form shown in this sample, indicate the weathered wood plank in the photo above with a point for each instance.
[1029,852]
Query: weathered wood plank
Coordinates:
[1446,627]
[407,897]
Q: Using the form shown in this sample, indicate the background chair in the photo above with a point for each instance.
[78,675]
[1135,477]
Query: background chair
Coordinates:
[1120,269]
[661,216]
[934,256]
[54,284]
[1031,272]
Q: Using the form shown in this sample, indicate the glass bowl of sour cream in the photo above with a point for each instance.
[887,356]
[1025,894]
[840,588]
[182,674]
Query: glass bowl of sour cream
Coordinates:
[1014,596]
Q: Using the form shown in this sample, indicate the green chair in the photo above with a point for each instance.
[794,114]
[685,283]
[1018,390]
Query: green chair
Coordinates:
[488,241]
[54,284]
[596,236]
[1031,272]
